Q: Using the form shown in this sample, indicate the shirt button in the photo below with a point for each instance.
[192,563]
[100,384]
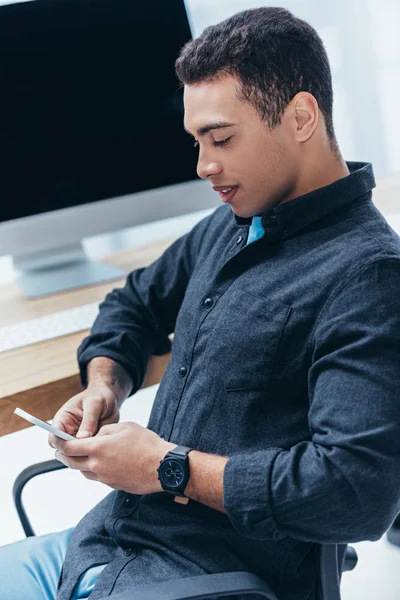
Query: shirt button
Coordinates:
[239,239]
[128,501]
[208,302]
[182,371]
[286,232]
[128,552]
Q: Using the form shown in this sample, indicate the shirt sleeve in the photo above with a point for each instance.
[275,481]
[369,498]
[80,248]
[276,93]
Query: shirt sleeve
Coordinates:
[134,322]
[342,485]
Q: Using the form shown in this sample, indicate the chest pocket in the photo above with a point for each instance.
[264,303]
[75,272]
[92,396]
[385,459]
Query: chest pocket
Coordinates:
[245,339]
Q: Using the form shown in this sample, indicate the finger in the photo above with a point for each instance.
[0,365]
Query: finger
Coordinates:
[76,447]
[57,443]
[90,420]
[79,463]
[67,424]
[56,423]
[110,429]
[90,475]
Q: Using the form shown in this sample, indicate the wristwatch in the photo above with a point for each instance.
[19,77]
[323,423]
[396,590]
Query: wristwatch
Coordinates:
[173,471]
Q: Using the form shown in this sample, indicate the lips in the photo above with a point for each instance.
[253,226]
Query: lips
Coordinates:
[223,188]
[227,193]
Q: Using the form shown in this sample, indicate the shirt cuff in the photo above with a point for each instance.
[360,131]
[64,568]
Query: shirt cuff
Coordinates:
[247,494]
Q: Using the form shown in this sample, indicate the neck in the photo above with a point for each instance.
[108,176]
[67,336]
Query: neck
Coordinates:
[318,172]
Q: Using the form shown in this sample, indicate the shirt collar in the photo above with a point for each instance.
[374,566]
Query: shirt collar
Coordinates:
[292,216]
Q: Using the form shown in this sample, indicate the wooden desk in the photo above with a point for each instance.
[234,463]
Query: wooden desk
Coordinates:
[41,377]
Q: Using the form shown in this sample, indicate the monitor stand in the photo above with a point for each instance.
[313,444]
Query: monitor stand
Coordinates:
[60,269]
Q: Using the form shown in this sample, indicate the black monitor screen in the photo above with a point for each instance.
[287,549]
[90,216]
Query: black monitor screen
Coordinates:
[90,106]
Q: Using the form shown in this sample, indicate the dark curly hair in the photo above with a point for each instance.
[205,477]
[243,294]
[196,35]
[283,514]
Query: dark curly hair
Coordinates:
[273,54]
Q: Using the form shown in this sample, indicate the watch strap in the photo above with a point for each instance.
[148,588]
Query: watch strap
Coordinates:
[179,451]
[181,499]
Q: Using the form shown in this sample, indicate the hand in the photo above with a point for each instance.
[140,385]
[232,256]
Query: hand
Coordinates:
[84,414]
[124,456]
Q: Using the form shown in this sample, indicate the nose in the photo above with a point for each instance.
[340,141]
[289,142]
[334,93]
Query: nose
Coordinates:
[207,166]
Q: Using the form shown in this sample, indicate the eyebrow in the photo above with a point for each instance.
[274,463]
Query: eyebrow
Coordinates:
[206,128]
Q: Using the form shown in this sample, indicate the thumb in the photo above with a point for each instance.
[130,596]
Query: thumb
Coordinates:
[90,423]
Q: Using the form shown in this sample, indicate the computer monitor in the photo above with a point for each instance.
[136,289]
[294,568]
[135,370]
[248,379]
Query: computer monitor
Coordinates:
[92,137]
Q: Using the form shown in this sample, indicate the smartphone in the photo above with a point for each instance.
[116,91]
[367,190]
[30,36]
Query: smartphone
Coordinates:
[43,424]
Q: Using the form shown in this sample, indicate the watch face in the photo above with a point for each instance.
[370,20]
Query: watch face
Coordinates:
[171,473]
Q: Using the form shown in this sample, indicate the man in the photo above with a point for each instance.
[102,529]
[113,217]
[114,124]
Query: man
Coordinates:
[285,365]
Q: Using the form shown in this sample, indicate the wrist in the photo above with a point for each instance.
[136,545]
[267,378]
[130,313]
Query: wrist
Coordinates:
[105,373]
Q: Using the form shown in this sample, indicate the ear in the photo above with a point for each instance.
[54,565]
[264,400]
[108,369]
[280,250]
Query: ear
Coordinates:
[306,115]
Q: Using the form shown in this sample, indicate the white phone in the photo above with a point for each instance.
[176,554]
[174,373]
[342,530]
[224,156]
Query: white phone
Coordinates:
[43,424]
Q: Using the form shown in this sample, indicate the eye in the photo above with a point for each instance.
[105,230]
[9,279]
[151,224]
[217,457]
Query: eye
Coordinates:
[223,142]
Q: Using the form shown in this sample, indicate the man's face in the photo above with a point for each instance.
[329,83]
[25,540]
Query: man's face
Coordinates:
[261,163]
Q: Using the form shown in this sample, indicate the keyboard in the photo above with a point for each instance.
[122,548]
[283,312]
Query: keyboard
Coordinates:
[48,327]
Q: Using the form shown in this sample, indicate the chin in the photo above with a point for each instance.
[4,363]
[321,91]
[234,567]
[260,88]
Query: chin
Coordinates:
[244,214]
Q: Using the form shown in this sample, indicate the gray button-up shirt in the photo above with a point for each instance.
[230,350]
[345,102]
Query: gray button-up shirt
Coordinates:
[286,358]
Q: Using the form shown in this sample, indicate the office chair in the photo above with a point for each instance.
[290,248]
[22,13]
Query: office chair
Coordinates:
[332,560]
